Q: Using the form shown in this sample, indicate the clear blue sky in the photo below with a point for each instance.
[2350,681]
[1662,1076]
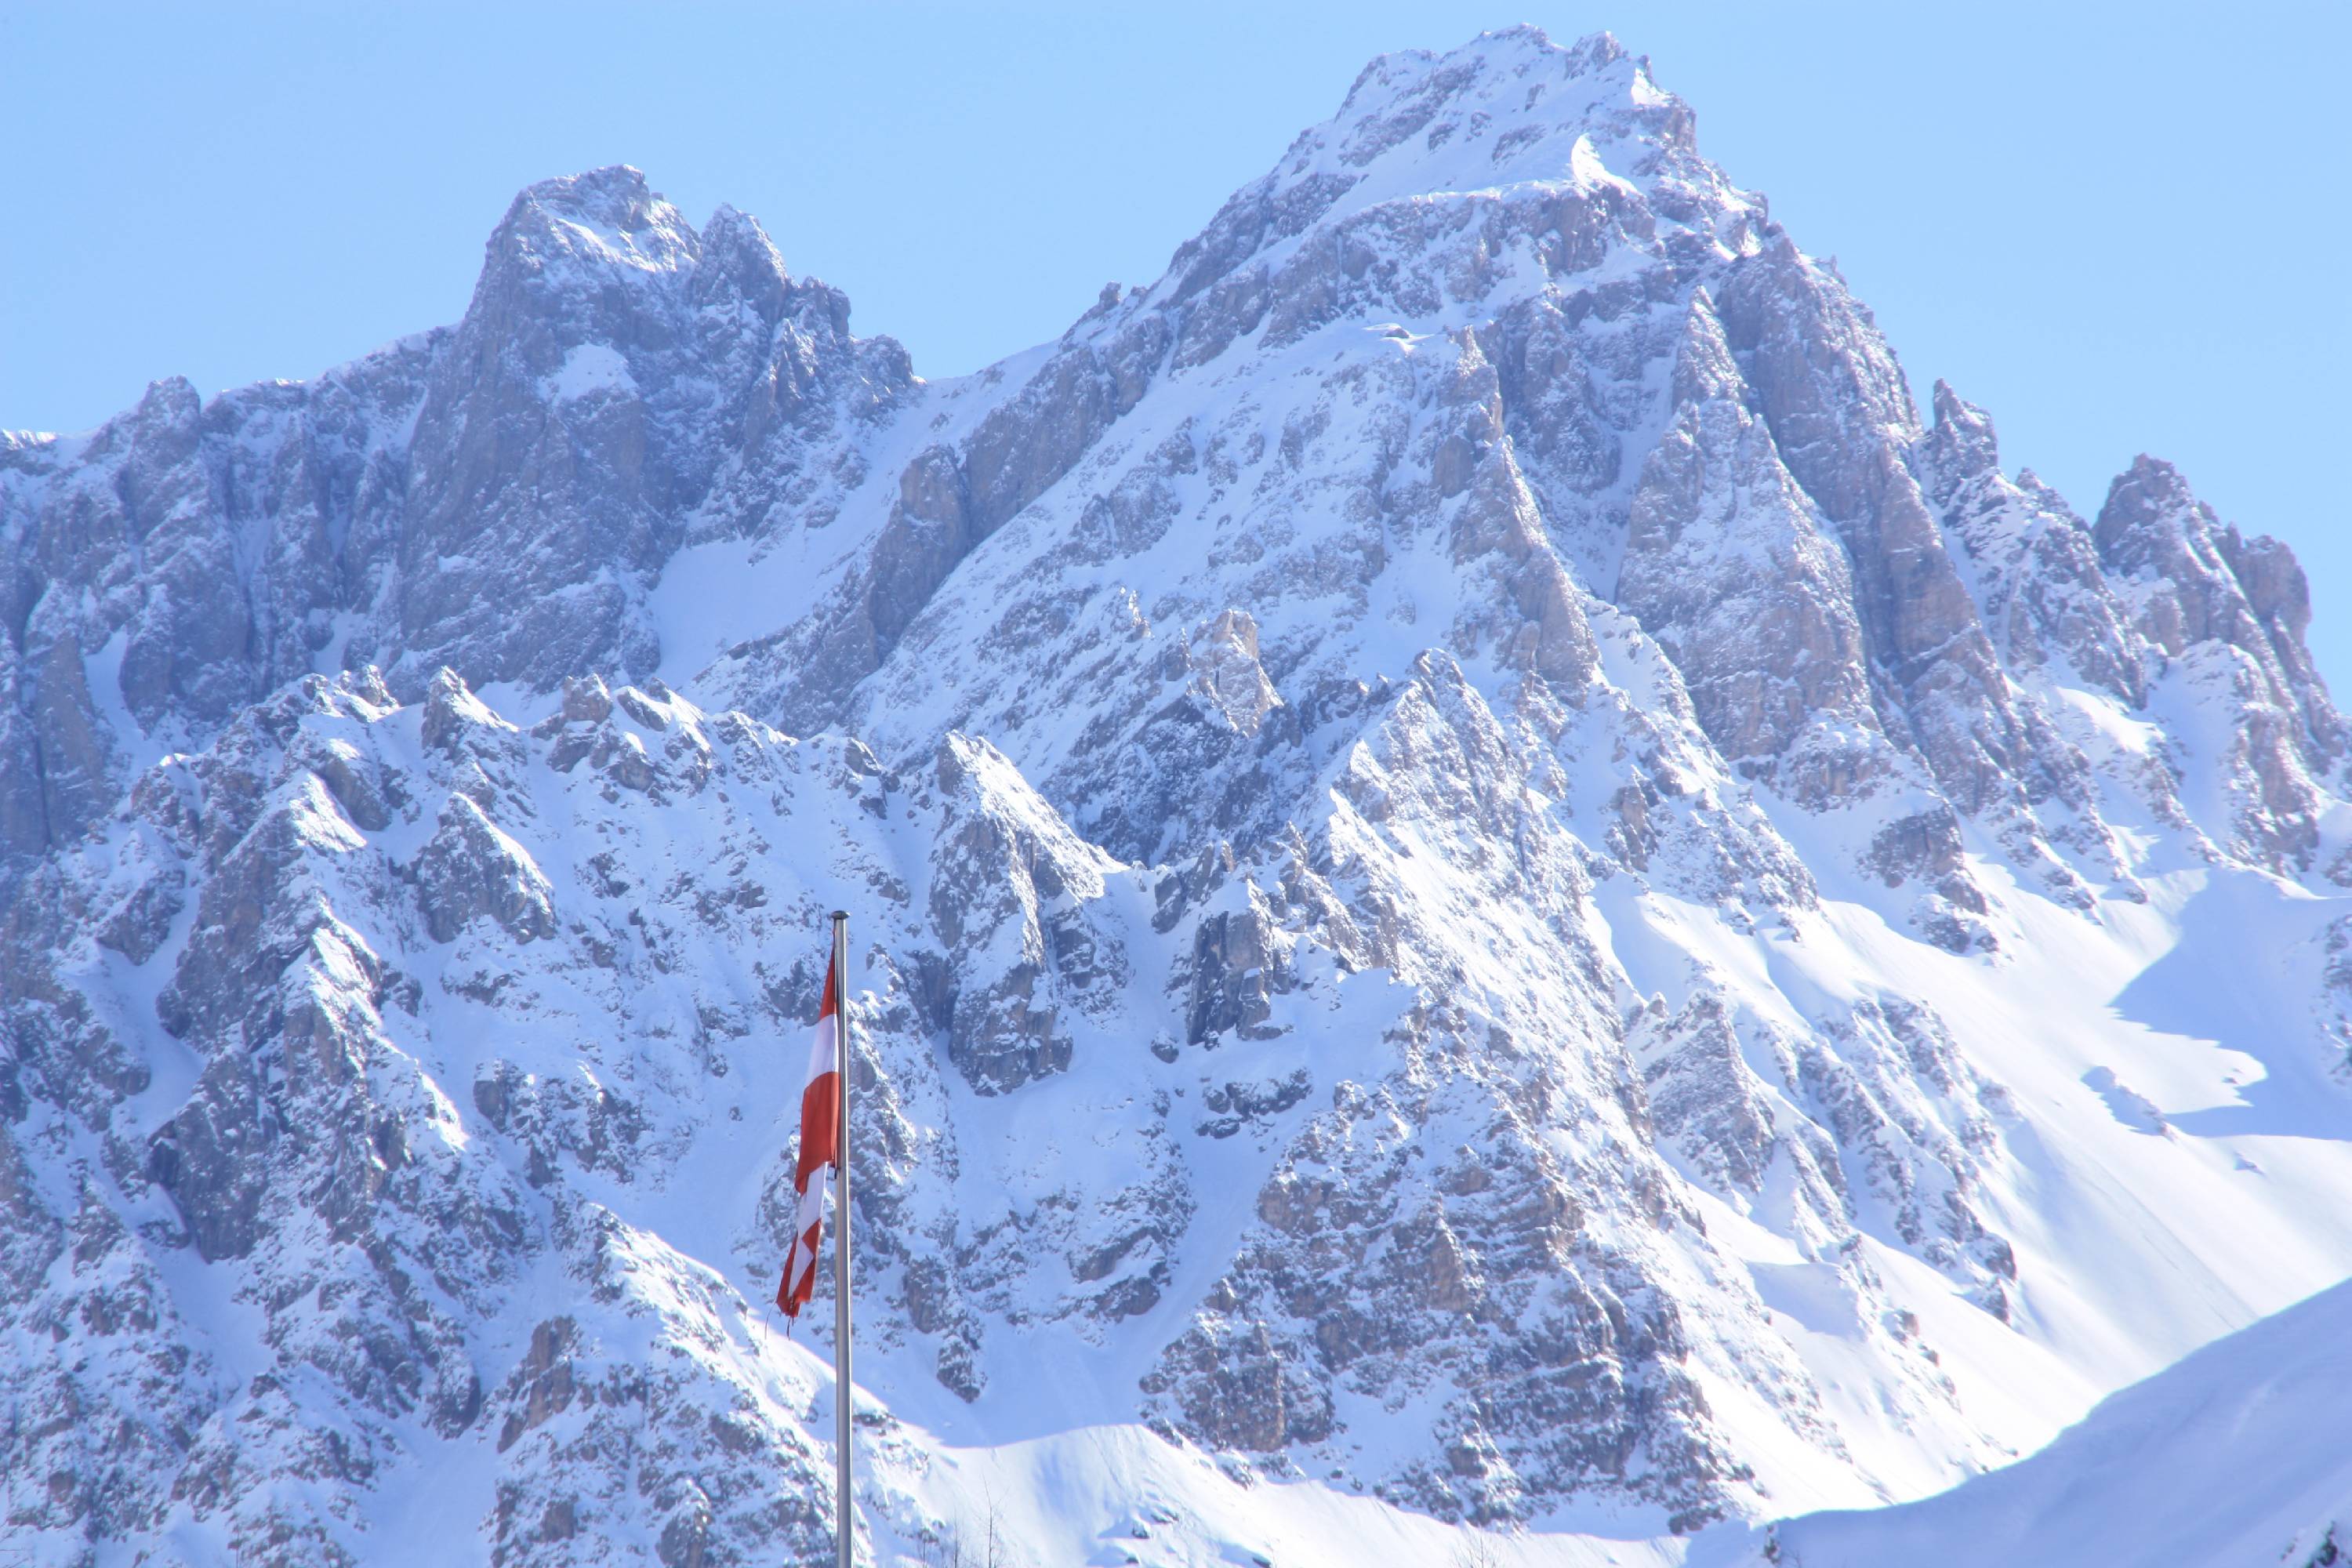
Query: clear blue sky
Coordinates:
[2119,228]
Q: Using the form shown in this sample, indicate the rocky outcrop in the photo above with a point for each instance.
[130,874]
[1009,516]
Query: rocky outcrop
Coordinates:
[1727,563]
[470,870]
[1008,886]
[2230,614]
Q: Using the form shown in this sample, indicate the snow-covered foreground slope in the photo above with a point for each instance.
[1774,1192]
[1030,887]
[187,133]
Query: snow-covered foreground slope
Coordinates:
[1492,892]
[2235,1458]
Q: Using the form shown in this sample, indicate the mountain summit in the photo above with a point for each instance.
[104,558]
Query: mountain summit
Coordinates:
[1491,890]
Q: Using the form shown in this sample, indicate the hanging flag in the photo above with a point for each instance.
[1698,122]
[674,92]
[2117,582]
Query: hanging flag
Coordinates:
[820,1148]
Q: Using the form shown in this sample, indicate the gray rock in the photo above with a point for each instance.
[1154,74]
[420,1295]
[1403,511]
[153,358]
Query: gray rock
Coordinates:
[470,871]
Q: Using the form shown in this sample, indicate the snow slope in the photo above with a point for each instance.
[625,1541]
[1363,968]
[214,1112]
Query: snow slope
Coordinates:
[2235,1456]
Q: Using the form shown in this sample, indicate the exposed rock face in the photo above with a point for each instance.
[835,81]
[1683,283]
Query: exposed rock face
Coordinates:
[471,872]
[2233,612]
[1730,566]
[1454,817]
[1008,887]
[496,497]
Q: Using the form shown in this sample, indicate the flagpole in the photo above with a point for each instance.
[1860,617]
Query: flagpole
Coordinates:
[843,1531]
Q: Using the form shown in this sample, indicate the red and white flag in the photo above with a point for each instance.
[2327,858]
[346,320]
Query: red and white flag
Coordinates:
[820,1150]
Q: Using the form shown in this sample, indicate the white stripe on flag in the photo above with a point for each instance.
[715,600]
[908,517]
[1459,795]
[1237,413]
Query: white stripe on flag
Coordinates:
[824,1049]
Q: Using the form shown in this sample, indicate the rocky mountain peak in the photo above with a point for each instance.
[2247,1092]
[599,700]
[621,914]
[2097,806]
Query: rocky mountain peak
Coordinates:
[1507,112]
[602,218]
[2151,518]
[171,401]
[738,257]
[1500,85]
[2153,529]
[1961,437]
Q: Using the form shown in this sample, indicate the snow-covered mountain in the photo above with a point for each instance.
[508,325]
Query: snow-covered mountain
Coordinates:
[1499,905]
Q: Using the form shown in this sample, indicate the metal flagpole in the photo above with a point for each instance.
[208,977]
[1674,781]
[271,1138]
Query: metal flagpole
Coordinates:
[841,1386]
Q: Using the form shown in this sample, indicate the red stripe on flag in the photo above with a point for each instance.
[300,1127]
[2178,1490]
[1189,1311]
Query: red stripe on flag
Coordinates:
[820,1148]
[820,1129]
